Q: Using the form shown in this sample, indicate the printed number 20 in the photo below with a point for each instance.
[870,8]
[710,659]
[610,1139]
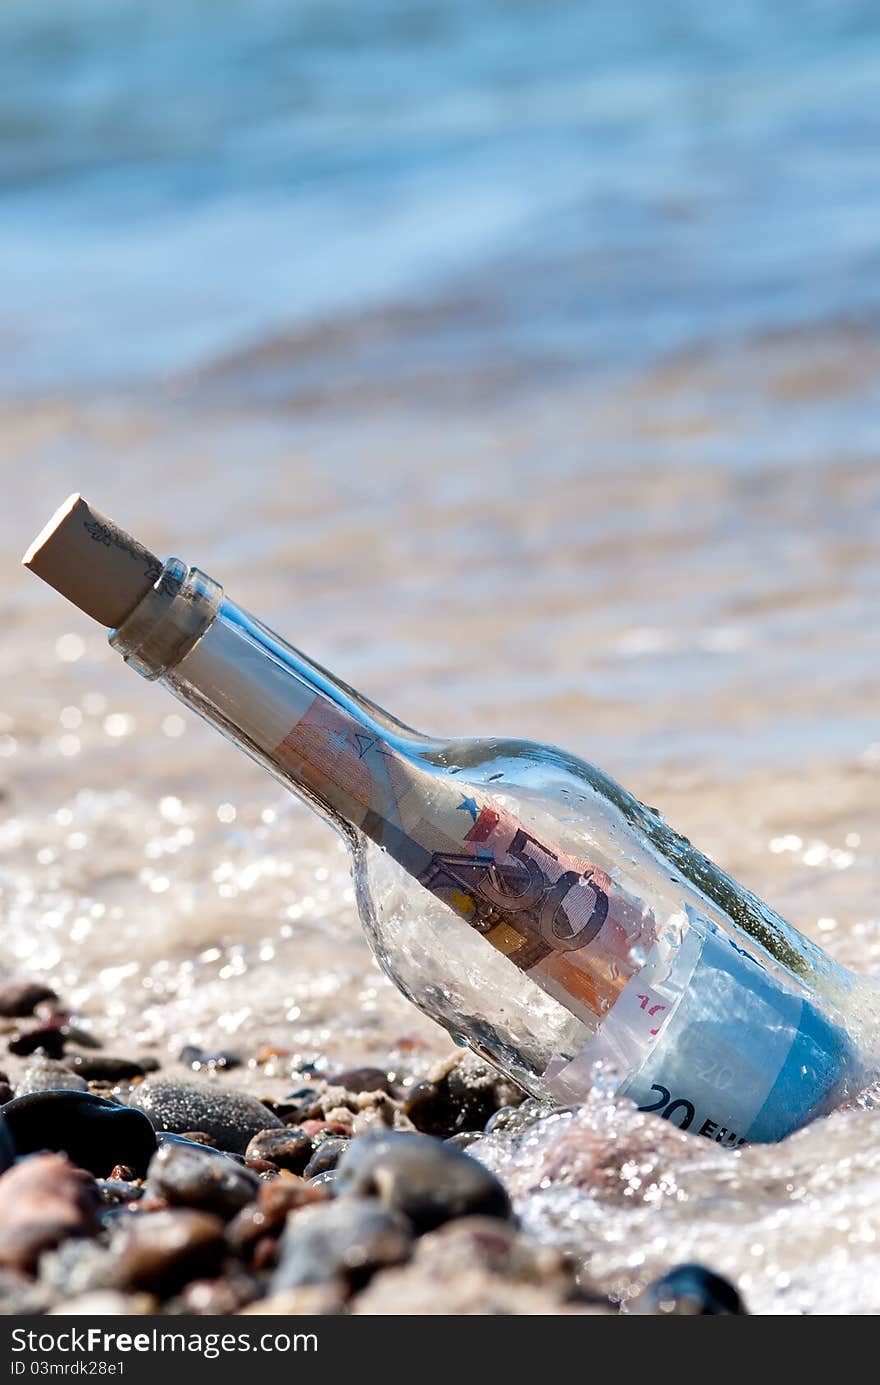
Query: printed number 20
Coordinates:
[667,1108]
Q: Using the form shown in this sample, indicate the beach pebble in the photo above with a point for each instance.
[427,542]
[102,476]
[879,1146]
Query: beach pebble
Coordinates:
[48,1038]
[266,1216]
[472,1292]
[48,1075]
[326,1156]
[118,1190]
[497,1247]
[340,1242]
[427,1180]
[289,1148]
[689,1291]
[362,1080]
[201,1178]
[197,1059]
[229,1117]
[161,1251]
[43,1201]
[18,999]
[460,1093]
[101,1067]
[96,1134]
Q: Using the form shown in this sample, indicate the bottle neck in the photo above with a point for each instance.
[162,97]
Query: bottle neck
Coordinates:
[305,726]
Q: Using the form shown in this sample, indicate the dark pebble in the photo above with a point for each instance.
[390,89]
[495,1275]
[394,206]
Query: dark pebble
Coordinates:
[115,1190]
[197,1058]
[428,1181]
[161,1251]
[165,1137]
[689,1291]
[201,1178]
[100,1067]
[96,1134]
[43,1201]
[48,1038]
[326,1157]
[6,1093]
[362,1080]
[289,1148]
[20,998]
[230,1118]
[461,1096]
[303,1096]
[216,1297]
[344,1242]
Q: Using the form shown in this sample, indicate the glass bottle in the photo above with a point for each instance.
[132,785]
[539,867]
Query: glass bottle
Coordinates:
[526,901]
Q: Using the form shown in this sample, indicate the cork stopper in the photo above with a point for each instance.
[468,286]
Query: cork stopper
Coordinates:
[95,564]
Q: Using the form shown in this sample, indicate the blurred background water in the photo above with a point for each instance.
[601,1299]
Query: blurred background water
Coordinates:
[519,361]
[183,178]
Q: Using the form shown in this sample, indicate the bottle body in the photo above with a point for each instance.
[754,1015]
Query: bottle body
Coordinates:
[526,901]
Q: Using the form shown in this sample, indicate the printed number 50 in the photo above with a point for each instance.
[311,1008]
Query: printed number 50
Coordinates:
[666,1108]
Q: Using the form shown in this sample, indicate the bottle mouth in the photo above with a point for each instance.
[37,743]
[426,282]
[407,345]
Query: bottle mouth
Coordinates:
[169,620]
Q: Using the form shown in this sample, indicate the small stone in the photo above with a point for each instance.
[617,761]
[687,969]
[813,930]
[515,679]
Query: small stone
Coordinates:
[362,1080]
[197,1059]
[341,1243]
[119,1190]
[201,1178]
[18,999]
[95,1134]
[48,1038]
[229,1117]
[289,1148]
[268,1214]
[325,1158]
[497,1247]
[43,1201]
[6,1093]
[104,1303]
[689,1291]
[48,1075]
[428,1181]
[199,1140]
[101,1067]
[161,1251]
[461,1093]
